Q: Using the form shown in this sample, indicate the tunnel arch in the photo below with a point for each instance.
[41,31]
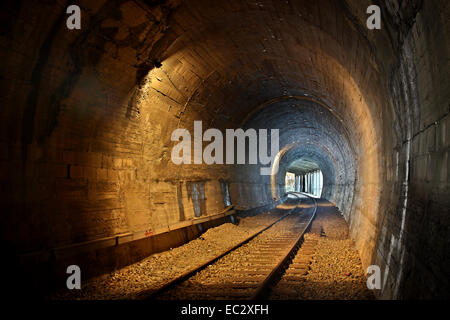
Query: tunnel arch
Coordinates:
[298,139]
[323,160]
[351,101]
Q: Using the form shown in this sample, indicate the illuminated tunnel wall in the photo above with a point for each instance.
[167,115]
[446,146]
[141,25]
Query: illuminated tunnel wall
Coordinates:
[86,123]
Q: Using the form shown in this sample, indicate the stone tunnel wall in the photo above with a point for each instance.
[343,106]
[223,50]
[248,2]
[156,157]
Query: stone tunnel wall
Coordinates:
[74,144]
[84,152]
[414,236]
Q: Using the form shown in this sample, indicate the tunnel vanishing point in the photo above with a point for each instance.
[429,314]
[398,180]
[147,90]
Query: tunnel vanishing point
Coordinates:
[87,117]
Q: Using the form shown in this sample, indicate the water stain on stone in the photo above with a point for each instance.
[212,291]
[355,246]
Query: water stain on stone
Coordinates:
[196,193]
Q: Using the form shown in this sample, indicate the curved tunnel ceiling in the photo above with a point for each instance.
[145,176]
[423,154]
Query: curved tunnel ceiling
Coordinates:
[232,66]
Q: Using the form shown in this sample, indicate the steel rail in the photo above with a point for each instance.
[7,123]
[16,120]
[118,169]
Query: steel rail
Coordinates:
[153,293]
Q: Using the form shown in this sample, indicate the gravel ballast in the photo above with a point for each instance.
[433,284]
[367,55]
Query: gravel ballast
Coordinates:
[155,270]
[335,271]
[215,281]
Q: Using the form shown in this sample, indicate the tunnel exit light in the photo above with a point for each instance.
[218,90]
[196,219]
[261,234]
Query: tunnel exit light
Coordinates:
[290,181]
[311,182]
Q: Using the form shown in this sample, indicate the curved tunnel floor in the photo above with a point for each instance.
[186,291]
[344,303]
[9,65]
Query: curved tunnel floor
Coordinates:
[334,271]
[332,263]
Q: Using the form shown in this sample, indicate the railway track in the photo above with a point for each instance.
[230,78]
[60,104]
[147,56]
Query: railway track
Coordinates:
[249,269]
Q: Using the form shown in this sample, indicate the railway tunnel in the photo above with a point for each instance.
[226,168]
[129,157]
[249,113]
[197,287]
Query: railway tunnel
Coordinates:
[88,119]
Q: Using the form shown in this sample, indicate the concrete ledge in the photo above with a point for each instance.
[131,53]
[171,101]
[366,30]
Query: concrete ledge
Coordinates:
[73,249]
